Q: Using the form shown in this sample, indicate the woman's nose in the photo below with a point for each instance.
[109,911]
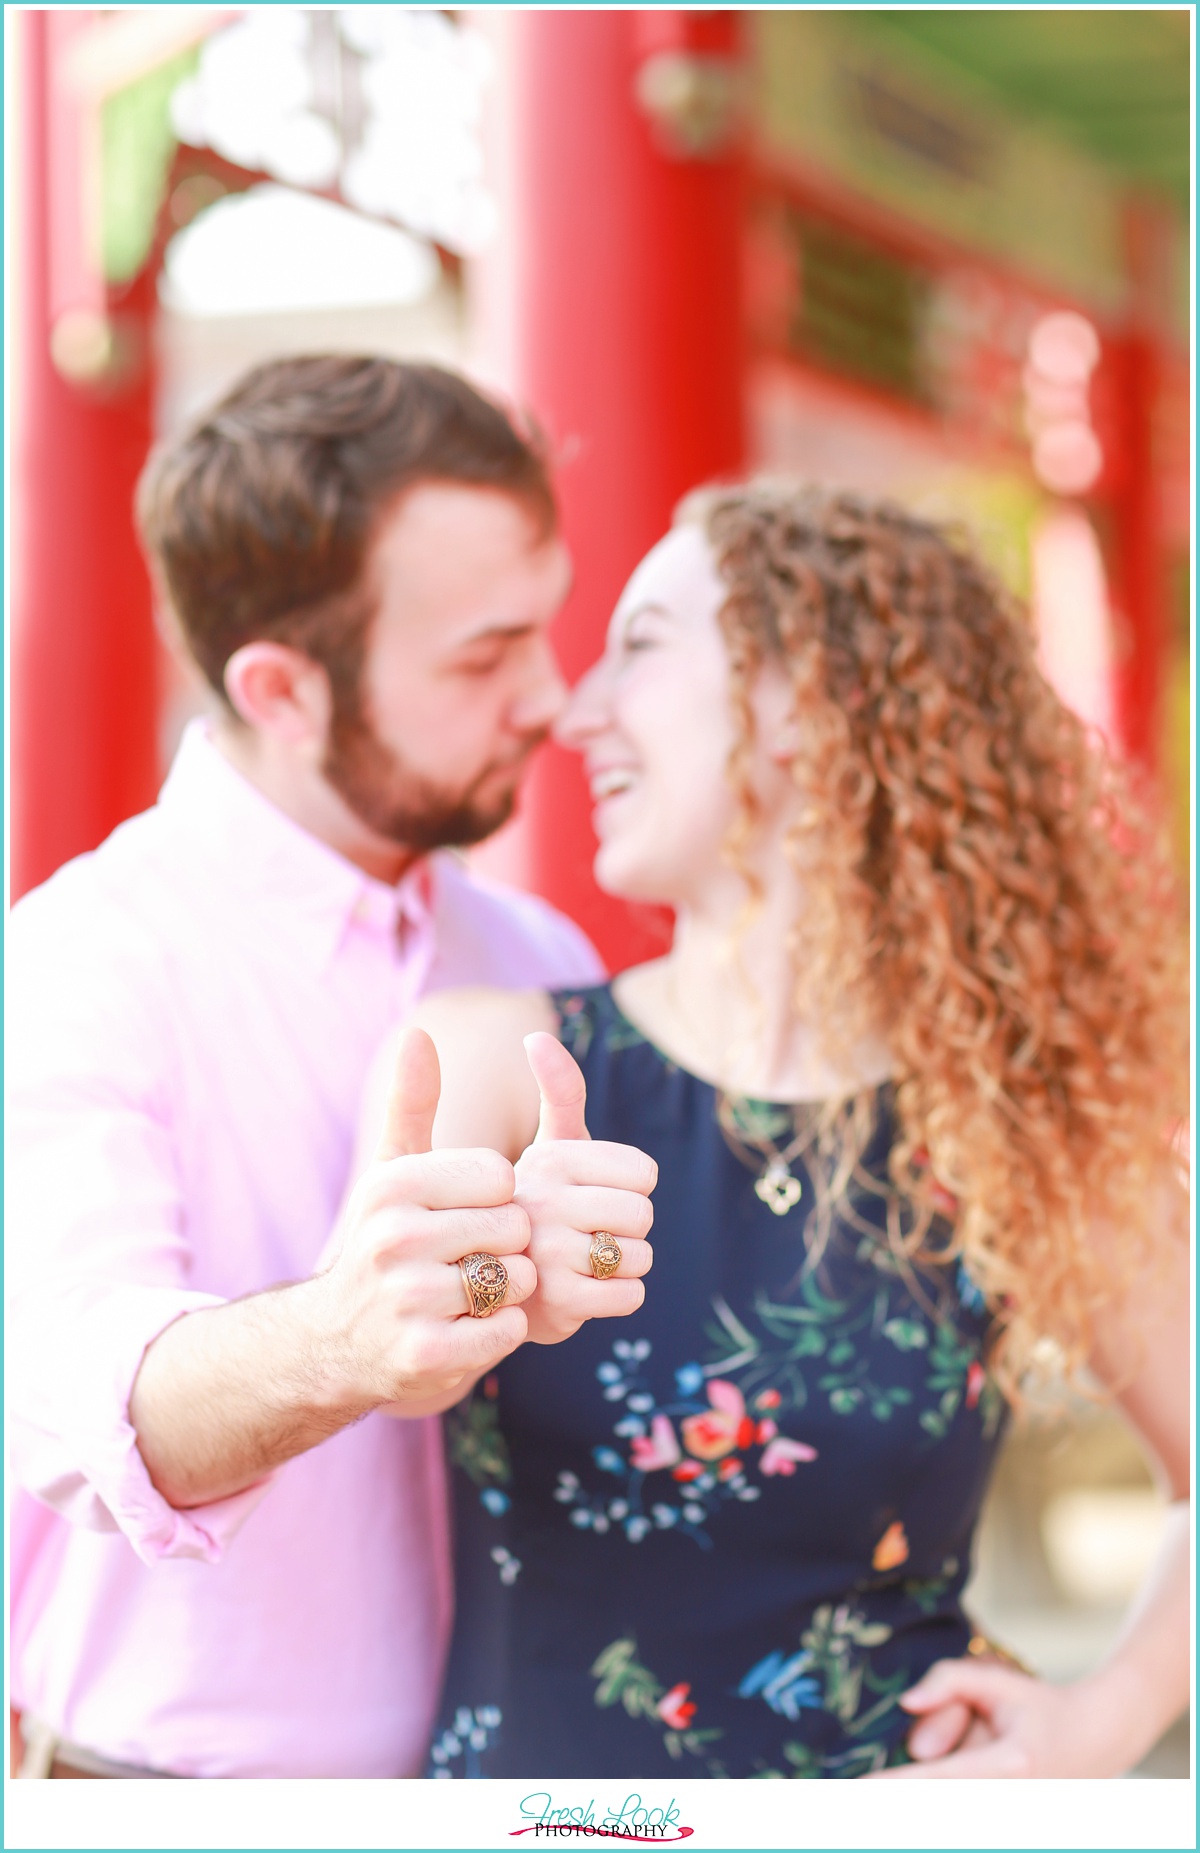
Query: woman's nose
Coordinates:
[585,711]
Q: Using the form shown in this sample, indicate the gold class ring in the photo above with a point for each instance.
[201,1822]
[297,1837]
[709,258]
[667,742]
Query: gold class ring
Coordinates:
[604,1254]
[485,1278]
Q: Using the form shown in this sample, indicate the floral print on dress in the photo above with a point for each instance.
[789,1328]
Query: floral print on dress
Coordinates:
[958,1376]
[508,1565]
[720,1445]
[465,1741]
[892,1549]
[576,1029]
[708,1450]
[475,1443]
[832,1672]
[822,1346]
[624,1681]
[806,1763]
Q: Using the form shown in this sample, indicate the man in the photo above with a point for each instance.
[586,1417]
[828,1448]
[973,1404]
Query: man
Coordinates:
[362,557]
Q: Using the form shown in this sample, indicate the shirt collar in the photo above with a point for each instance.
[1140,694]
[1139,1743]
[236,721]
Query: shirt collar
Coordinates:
[213,812]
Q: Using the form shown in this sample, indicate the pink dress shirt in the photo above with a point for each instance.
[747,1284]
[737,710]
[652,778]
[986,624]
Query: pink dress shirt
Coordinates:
[192,1010]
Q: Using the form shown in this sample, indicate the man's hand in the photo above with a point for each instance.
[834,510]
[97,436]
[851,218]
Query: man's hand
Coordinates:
[393,1304]
[570,1186]
[225,1395]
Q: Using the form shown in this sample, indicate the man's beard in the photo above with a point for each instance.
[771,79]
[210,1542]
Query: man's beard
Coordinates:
[400,805]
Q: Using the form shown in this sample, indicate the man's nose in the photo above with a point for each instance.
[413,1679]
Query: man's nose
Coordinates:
[543,700]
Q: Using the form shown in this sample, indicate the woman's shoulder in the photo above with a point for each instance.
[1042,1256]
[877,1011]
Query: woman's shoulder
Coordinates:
[489,1096]
[484,1012]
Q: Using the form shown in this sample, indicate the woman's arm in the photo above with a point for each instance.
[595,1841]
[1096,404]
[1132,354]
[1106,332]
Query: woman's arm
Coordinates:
[978,1719]
[489,1095]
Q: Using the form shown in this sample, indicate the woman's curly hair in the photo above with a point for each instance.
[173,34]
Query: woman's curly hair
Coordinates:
[980,885]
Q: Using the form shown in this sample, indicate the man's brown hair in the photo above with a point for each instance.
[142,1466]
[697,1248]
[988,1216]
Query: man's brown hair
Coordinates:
[259,519]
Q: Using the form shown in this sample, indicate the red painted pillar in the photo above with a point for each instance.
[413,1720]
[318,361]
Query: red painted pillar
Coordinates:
[620,280]
[83,707]
[1140,565]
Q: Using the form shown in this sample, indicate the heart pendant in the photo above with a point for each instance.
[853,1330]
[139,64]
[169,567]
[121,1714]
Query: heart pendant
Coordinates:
[778,1189]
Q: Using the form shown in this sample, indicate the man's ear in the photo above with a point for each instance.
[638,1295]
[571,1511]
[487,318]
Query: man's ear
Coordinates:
[279,691]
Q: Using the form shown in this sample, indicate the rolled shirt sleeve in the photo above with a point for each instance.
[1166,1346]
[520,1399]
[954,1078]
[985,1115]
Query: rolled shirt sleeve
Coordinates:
[99,1262]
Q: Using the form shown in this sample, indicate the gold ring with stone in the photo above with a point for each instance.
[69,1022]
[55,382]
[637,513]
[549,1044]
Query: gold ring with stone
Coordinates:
[485,1278]
[604,1254]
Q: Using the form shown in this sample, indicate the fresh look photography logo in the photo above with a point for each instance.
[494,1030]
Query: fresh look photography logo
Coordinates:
[633,1819]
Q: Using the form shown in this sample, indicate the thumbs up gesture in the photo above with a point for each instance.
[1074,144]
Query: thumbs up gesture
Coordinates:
[573,1187]
[396,1323]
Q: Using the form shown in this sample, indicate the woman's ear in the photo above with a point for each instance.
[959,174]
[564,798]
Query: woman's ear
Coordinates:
[279,691]
[777,722]
[786,741]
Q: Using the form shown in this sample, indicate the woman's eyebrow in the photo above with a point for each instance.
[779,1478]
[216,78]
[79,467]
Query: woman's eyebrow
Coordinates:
[648,608]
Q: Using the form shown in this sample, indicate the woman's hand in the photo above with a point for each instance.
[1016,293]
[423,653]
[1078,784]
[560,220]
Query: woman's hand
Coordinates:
[570,1186]
[979,1718]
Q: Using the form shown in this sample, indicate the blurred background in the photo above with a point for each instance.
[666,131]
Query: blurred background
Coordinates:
[942,253]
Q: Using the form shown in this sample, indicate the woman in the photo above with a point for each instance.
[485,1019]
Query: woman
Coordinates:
[909,1073]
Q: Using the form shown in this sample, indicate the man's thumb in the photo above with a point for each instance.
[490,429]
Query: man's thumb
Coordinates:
[560,1085]
[413,1098]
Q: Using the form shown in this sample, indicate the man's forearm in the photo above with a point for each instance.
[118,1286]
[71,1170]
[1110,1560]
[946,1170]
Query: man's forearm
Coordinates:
[413,1409]
[225,1395]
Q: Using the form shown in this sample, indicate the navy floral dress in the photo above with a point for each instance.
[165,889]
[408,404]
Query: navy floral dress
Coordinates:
[721,1537]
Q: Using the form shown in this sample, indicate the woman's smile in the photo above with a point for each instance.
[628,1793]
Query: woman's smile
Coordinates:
[607,785]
